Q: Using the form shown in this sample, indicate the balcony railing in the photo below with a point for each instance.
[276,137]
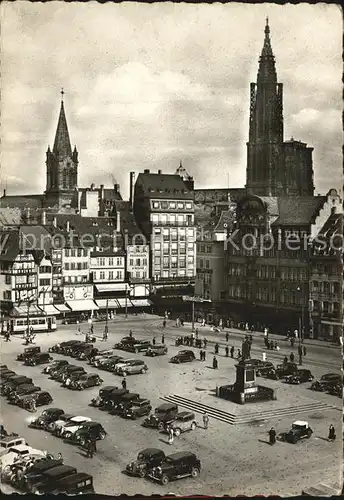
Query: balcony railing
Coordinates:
[177,279]
[19,271]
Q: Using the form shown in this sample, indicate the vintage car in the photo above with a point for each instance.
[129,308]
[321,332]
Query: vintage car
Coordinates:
[261,367]
[76,484]
[38,359]
[163,413]
[22,390]
[78,349]
[111,399]
[72,426]
[156,350]
[103,354]
[87,353]
[6,374]
[72,347]
[28,351]
[82,434]
[125,341]
[182,422]
[14,382]
[299,430]
[326,382]
[34,474]
[138,346]
[38,399]
[61,347]
[137,408]
[123,402]
[16,452]
[336,390]
[47,417]
[176,466]
[300,376]
[10,442]
[102,396]
[55,365]
[183,356]
[146,460]
[123,362]
[66,420]
[71,371]
[49,478]
[281,371]
[86,380]
[132,367]
[109,364]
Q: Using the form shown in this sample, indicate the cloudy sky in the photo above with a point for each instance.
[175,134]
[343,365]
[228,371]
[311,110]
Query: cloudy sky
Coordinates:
[148,85]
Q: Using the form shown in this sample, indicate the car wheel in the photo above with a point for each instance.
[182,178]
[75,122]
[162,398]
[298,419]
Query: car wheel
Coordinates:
[68,435]
[124,373]
[102,435]
[82,441]
[193,426]
[177,432]
[194,472]
[136,351]
[143,370]
[142,472]
[258,373]
[160,426]
[164,479]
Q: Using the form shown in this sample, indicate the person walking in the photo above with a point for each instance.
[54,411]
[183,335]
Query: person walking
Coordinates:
[227,337]
[170,435]
[153,341]
[197,332]
[105,334]
[285,360]
[205,420]
[130,333]
[227,351]
[304,350]
[299,350]
[7,336]
[215,363]
[163,339]
[331,433]
[272,436]
[239,354]
[217,348]
[232,351]
[92,329]
[300,359]
[164,323]
[205,343]
[89,452]
[292,357]
[124,383]
[201,355]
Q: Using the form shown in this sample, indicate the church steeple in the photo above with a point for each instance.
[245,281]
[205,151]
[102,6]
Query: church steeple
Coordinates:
[62,146]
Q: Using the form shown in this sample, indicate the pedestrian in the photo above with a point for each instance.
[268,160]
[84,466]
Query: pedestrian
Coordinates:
[164,323]
[292,341]
[170,435]
[216,348]
[92,329]
[227,337]
[272,436]
[215,363]
[285,360]
[201,355]
[227,351]
[205,343]
[130,333]
[304,350]
[153,341]
[163,339]
[105,334]
[89,453]
[265,332]
[300,359]
[196,333]
[7,336]
[204,354]
[291,357]
[299,350]
[205,420]
[239,354]
[124,384]
[331,433]
[232,351]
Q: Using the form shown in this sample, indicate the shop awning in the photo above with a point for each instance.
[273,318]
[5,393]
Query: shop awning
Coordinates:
[22,310]
[112,304]
[140,302]
[122,302]
[82,305]
[112,287]
[49,310]
[62,308]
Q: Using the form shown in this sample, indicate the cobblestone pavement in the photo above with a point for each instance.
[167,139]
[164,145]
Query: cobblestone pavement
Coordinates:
[235,459]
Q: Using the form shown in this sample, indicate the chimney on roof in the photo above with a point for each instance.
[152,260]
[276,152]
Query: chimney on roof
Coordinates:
[92,187]
[146,171]
[116,188]
[131,187]
[159,172]
[55,221]
[118,222]
[4,193]
[67,226]
[44,218]
[101,200]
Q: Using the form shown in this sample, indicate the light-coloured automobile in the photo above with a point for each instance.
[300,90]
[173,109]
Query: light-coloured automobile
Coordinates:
[72,426]
[9,442]
[19,452]
[134,367]
[60,425]
[123,362]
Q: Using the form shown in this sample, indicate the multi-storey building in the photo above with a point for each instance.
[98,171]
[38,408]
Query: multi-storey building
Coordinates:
[164,210]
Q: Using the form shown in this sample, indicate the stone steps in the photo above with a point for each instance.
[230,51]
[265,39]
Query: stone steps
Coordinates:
[245,418]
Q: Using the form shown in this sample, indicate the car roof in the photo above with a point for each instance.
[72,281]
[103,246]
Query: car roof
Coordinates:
[54,410]
[301,423]
[8,439]
[75,478]
[166,406]
[60,469]
[19,448]
[43,465]
[181,454]
[78,418]
[184,414]
[108,388]
[130,395]
[151,451]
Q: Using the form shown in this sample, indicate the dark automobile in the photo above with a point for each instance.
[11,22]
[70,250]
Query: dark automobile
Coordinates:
[137,408]
[103,354]
[55,365]
[94,429]
[55,425]
[69,348]
[102,396]
[299,430]
[76,350]
[126,341]
[261,367]
[70,370]
[38,359]
[60,348]
[111,399]
[85,380]
[11,384]
[76,484]
[162,414]
[138,346]
[326,382]
[28,351]
[38,398]
[156,350]
[22,390]
[6,375]
[146,460]
[35,472]
[89,353]
[299,377]
[109,364]
[282,371]
[123,402]
[49,478]
[336,390]
[183,357]
[176,466]
[47,417]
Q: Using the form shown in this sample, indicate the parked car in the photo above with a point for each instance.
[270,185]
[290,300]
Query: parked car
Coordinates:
[176,466]
[123,402]
[77,349]
[86,380]
[124,362]
[163,413]
[22,390]
[38,359]
[109,364]
[87,353]
[299,377]
[39,398]
[137,408]
[336,390]
[11,384]
[51,477]
[182,422]
[82,434]
[62,346]
[75,484]
[28,351]
[6,375]
[56,364]
[156,350]
[132,368]
[282,371]
[138,346]
[261,367]
[299,430]
[10,442]
[69,371]
[103,394]
[183,357]
[34,474]
[68,349]
[68,421]
[326,382]
[126,341]
[103,354]
[72,426]
[20,451]
[47,417]
[111,399]
[146,460]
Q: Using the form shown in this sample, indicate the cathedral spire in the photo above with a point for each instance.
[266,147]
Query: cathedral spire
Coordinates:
[267,70]
[267,50]
[62,146]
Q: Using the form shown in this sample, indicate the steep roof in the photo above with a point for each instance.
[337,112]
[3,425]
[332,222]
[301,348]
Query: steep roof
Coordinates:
[332,234]
[22,201]
[110,195]
[9,245]
[9,216]
[163,186]
[128,222]
[298,210]
[62,146]
[225,221]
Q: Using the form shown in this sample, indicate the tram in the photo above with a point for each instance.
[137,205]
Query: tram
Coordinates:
[38,323]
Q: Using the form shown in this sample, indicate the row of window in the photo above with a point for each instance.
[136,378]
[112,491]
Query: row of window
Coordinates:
[204,248]
[110,275]
[75,279]
[204,263]
[204,278]
[137,262]
[173,274]
[325,269]
[76,252]
[326,307]
[44,282]
[174,246]
[75,266]
[44,269]
[23,265]
[174,260]
[326,287]
[172,205]
[110,261]
[172,220]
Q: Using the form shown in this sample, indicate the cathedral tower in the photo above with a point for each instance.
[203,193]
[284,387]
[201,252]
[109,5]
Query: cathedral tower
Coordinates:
[62,166]
[265,164]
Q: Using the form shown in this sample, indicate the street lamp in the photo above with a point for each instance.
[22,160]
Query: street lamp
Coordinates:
[301,319]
